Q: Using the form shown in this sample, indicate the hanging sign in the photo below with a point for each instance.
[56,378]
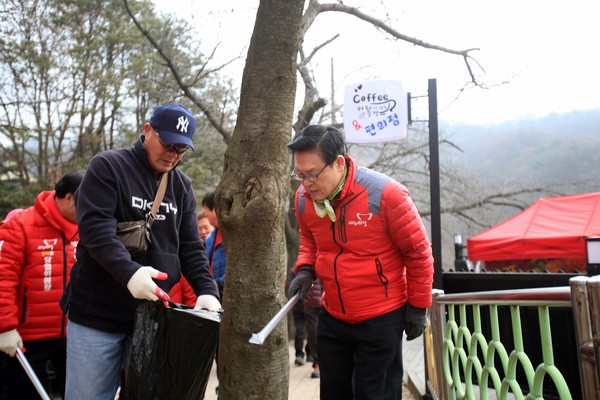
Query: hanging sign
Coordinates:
[375,111]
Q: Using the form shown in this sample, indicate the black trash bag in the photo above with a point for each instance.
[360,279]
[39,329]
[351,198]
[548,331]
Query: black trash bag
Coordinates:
[173,352]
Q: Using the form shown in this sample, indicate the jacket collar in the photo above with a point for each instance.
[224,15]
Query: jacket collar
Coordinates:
[349,185]
[46,206]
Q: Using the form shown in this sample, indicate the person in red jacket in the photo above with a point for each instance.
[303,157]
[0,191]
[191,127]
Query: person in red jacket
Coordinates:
[182,292]
[361,234]
[37,251]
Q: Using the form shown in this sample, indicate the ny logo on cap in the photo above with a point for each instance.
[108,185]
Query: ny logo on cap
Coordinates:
[182,124]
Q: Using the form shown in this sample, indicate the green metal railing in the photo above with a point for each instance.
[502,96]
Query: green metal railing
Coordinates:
[478,367]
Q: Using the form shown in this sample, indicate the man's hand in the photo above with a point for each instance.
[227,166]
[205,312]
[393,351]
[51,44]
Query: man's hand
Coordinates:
[208,302]
[10,341]
[143,287]
[302,282]
[414,321]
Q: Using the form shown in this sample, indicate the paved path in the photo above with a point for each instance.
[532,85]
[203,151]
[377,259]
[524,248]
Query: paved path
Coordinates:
[303,387]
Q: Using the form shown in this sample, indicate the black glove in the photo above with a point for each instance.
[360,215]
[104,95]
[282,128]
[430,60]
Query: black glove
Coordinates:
[302,282]
[414,321]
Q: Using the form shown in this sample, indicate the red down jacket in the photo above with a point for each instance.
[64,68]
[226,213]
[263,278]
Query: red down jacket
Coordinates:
[37,252]
[376,256]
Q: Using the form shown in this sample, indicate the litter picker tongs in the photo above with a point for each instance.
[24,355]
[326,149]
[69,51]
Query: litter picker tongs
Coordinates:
[259,338]
[34,379]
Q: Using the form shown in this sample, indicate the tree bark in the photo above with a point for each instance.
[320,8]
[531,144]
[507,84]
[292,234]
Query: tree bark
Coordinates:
[250,201]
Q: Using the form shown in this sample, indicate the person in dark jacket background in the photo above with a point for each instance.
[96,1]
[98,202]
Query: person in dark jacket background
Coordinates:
[362,235]
[37,252]
[312,308]
[107,282]
[300,347]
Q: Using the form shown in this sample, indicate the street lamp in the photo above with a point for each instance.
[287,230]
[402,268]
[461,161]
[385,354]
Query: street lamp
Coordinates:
[592,255]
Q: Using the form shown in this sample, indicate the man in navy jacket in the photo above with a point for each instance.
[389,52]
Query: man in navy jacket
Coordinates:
[107,282]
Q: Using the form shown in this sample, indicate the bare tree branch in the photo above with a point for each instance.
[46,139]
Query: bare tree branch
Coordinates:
[315,8]
[312,102]
[184,87]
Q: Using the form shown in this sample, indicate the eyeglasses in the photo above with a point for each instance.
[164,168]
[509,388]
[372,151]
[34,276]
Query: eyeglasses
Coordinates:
[173,148]
[309,177]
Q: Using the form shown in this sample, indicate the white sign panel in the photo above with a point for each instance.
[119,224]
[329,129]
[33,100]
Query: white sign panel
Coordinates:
[375,111]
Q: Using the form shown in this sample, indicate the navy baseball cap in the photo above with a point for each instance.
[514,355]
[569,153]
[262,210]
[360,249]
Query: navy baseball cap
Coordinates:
[174,124]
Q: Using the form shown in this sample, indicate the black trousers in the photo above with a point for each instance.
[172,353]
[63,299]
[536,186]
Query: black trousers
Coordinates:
[42,355]
[299,324]
[361,361]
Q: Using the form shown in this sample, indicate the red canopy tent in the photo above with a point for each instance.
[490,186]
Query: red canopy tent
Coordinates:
[553,227]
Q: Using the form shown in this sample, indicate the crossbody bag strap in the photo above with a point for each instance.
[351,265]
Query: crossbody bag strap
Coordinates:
[160,193]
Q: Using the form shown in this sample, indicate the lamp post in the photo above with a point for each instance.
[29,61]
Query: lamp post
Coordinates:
[592,255]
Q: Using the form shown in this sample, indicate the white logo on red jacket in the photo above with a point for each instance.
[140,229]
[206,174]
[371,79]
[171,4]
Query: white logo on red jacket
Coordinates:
[362,219]
[47,252]
[74,245]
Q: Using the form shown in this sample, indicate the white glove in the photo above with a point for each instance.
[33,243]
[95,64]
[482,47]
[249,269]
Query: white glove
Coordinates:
[208,302]
[9,341]
[143,287]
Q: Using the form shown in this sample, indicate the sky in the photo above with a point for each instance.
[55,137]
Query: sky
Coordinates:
[537,57]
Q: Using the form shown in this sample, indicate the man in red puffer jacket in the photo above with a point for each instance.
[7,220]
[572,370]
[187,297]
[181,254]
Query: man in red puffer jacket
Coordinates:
[37,252]
[362,235]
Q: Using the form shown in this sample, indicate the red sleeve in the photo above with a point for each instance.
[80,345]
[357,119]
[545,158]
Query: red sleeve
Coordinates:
[408,233]
[12,258]
[188,297]
[176,293]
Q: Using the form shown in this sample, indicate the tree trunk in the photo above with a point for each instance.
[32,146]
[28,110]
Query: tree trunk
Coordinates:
[250,201]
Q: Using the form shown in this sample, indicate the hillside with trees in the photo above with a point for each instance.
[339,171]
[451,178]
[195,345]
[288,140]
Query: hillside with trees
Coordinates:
[557,149]
[557,154]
